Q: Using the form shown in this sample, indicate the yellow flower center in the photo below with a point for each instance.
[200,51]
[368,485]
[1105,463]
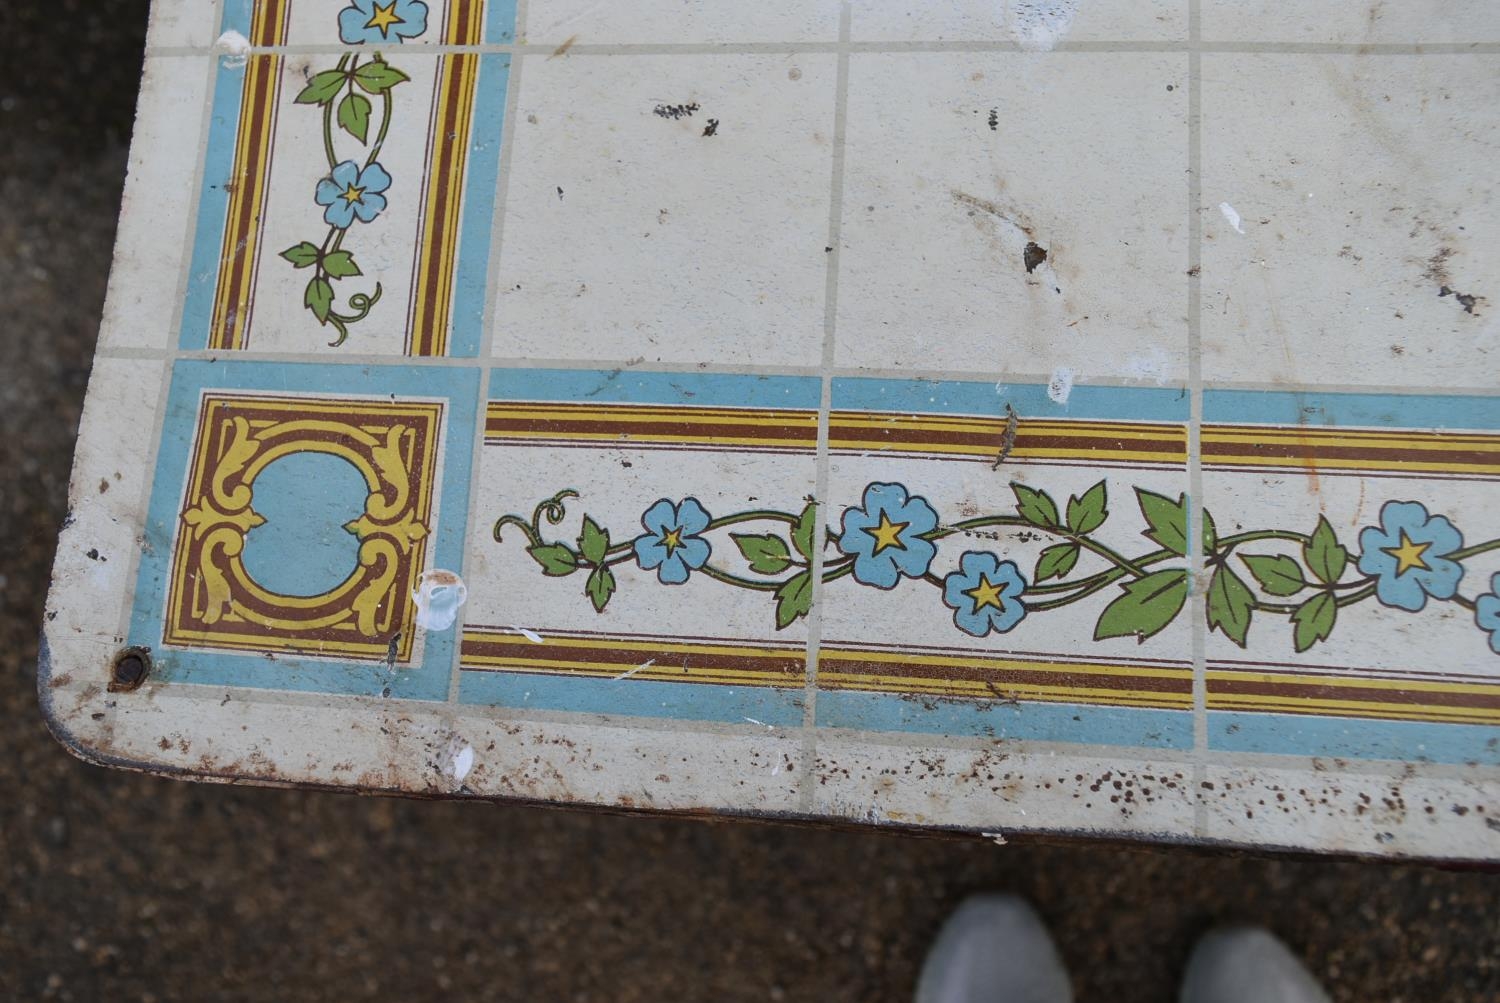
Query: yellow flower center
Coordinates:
[384,18]
[1408,555]
[353,194]
[986,593]
[887,534]
[672,540]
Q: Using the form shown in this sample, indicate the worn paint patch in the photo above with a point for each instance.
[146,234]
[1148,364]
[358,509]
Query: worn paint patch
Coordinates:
[235,47]
[1038,25]
[438,596]
[1060,387]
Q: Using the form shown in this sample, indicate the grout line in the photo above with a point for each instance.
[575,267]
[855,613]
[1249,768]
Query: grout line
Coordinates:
[830,327]
[884,47]
[1197,603]
[487,328]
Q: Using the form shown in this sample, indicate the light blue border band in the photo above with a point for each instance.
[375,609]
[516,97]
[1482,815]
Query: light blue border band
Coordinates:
[1039,722]
[500,22]
[1352,738]
[625,386]
[429,681]
[775,706]
[471,278]
[1319,409]
[1029,399]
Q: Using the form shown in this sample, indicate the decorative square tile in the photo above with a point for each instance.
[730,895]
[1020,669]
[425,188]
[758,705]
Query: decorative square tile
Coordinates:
[1031,24]
[581,22]
[293,518]
[669,209]
[1356,546]
[1367,205]
[1335,21]
[346,195]
[1013,599]
[991,224]
[390,24]
[651,545]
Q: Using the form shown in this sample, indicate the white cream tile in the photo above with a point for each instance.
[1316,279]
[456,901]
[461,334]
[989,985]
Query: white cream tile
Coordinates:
[1031,24]
[1365,187]
[183,23]
[159,202]
[678,22]
[631,234]
[1086,159]
[1342,21]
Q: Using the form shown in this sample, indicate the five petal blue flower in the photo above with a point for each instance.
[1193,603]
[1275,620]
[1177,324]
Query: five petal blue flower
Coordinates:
[1487,612]
[884,535]
[1407,554]
[985,594]
[381,21]
[671,543]
[351,193]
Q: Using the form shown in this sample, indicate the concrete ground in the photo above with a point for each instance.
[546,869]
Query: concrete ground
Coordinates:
[121,887]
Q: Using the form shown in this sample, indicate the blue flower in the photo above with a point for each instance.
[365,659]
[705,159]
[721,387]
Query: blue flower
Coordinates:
[350,192]
[1487,612]
[375,21]
[985,594]
[671,543]
[885,536]
[1407,555]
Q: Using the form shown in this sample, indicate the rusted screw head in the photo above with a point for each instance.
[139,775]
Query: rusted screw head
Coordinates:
[130,669]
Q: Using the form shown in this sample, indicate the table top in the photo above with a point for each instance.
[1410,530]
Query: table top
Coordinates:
[1001,417]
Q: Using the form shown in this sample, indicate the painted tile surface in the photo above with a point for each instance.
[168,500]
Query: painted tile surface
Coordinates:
[1061,417]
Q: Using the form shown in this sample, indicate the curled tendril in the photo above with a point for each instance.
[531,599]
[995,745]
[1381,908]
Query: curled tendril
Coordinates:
[552,509]
[521,524]
[361,304]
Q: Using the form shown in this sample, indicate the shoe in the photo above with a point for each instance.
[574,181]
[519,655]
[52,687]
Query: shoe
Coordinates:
[1247,965]
[993,949]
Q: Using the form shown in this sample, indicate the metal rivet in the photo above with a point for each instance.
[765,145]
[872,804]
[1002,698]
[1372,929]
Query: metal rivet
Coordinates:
[130,669]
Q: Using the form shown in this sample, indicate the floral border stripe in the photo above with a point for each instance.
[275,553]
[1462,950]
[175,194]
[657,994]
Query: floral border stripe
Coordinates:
[984,438]
[1006,678]
[239,258]
[437,245]
[1450,454]
[1344,696]
[641,657]
[644,425]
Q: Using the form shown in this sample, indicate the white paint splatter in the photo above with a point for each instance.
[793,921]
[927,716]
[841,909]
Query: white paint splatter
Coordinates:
[996,837]
[768,727]
[1060,388]
[530,635]
[630,672]
[236,48]
[438,596]
[1038,25]
[1233,217]
[463,762]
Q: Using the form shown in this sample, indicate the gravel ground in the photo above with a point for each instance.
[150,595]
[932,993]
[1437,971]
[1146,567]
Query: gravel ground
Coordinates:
[121,887]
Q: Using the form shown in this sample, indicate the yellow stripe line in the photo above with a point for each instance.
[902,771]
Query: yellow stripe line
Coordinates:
[993,665]
[1420,686]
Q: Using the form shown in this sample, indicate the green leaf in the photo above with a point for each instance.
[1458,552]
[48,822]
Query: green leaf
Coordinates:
[1313,620]
[767,554]
[1230,603]
[302,254]
[1325,557]
[340,265]
[600,586]
[593,541]
[319,299]
[557,560]
[1088,513]
[807,526]
[323,87]
[1148,605]
[1056,561]
[1210,533]
[354,115]
[1279,575]
[1036,507]
[1167,520]
[378,76]
[793,599]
